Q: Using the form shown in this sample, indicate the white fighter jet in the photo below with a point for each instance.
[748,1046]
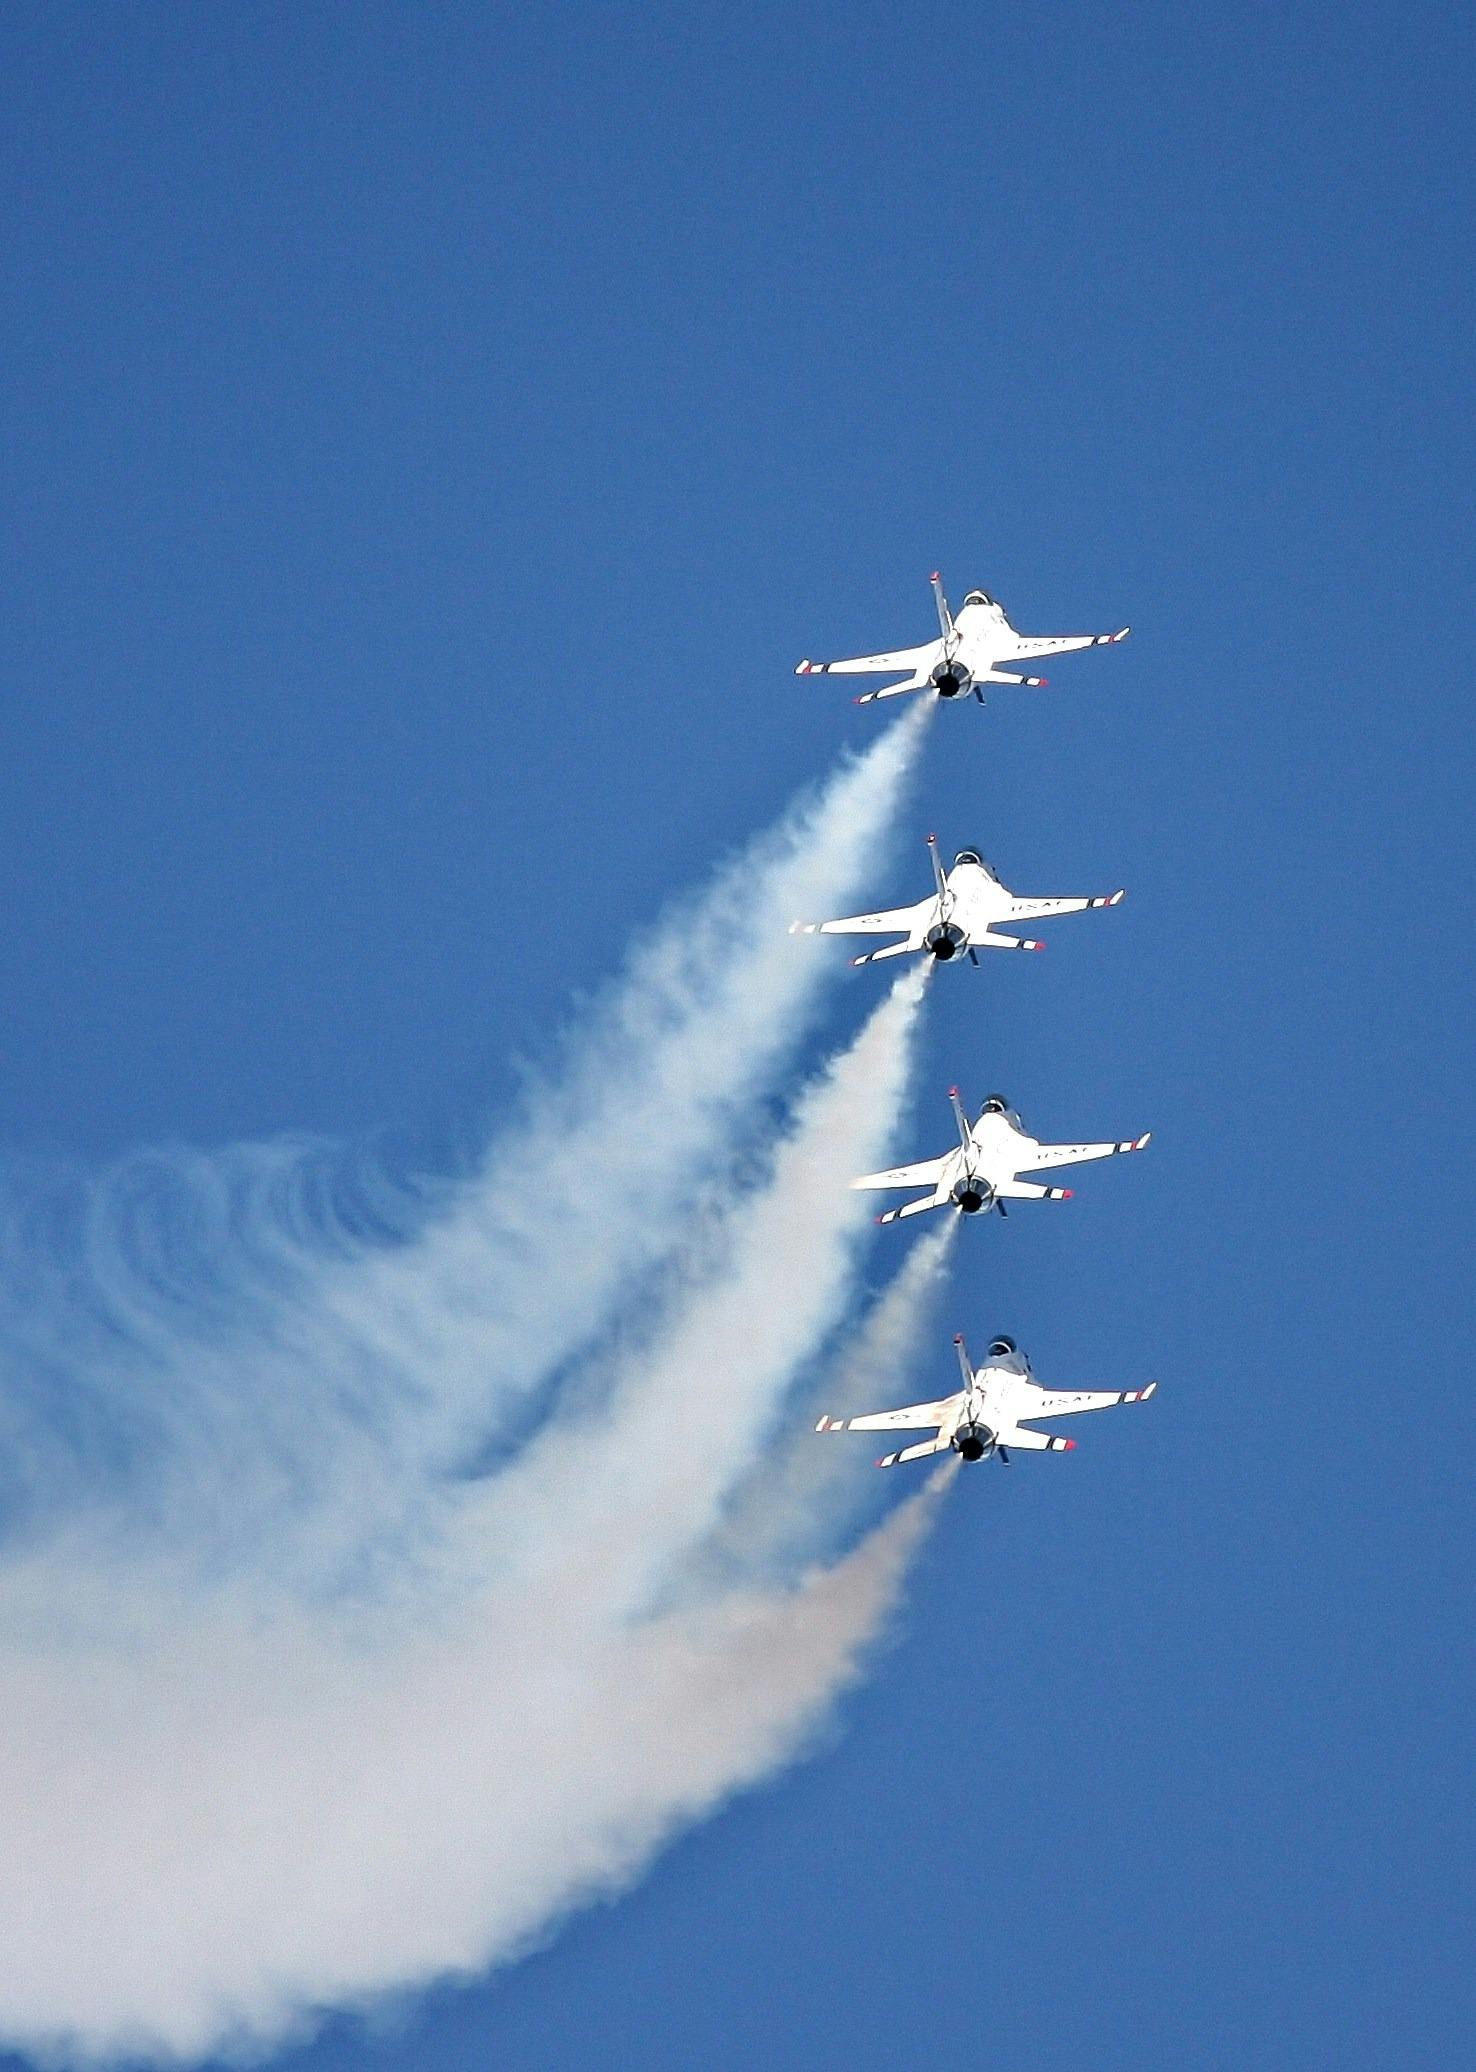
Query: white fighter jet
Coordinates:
[983,1172]
[990,1412]
[959,918]
[966,654]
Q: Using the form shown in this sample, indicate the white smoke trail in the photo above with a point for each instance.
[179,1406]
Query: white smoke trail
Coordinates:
[693,1408]
[216,1822]
[803,1496]
[227,1802]
[210,1842]
[391,1363]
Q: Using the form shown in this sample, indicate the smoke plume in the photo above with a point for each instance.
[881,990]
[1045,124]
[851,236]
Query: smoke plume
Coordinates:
[357,1609]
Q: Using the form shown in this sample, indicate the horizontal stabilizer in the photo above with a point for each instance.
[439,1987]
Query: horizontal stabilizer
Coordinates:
[918,1452]
[1035,1442]
[893,690]
[911,1208]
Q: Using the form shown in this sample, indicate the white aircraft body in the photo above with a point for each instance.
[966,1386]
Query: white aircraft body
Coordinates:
[990,1414]
[966,655]
[959,919]
[983,1173]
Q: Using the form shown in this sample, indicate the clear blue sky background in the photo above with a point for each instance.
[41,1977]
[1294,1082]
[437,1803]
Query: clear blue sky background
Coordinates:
[431,436]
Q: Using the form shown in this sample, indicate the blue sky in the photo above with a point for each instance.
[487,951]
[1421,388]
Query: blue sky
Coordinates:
[432,437]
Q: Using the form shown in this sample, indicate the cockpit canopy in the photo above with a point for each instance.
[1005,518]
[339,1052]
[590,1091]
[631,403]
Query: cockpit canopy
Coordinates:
[995,1105]
[978,597]
[1001,1348]
[967,856]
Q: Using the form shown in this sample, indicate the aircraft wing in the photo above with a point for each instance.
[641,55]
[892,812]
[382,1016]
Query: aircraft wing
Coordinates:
[1043,1156]
[915,661]
[1042,909]
[910,1419]
[895,921]
[1027,646]
[925,1174]
[1066,1402]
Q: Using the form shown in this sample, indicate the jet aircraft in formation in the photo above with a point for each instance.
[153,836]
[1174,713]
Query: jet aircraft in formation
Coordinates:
[996,1408]
[965,656]
[959,919]
[991,1413]
[983,1173]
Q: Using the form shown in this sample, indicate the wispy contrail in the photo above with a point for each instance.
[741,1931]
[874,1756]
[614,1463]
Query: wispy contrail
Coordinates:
[689,1409]
[211,1838]
[805,1493]
[202,1327]
[234,1790]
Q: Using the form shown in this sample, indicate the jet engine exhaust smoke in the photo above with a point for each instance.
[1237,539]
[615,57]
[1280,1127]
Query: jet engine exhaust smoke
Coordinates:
[252,1772]
[388,1365]
[800,1498]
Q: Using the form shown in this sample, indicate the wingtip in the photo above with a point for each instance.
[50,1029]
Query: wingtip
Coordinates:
[953,1093]
[803,668]
[1123,634]
[1068,1194]
[1069,1447]
[1035,945]
[936,576]
[1144,1141]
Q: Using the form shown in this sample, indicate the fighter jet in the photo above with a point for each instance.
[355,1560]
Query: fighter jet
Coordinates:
[981,1173]
[959,919]
[987,1416]
[966,654]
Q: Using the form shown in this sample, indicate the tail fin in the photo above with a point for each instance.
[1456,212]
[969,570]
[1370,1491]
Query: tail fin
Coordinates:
[945,616]
[938,878]
[963,1359]
[960,1118]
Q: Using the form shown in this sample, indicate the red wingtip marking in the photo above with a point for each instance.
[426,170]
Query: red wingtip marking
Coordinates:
[1067,1193]
[1042,681]
[881,1463]
[878,1219]
[858,701]
[958,1338]
[1037,946]
[953,1093]
[932,838]
[1069,1447]
[936,576]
